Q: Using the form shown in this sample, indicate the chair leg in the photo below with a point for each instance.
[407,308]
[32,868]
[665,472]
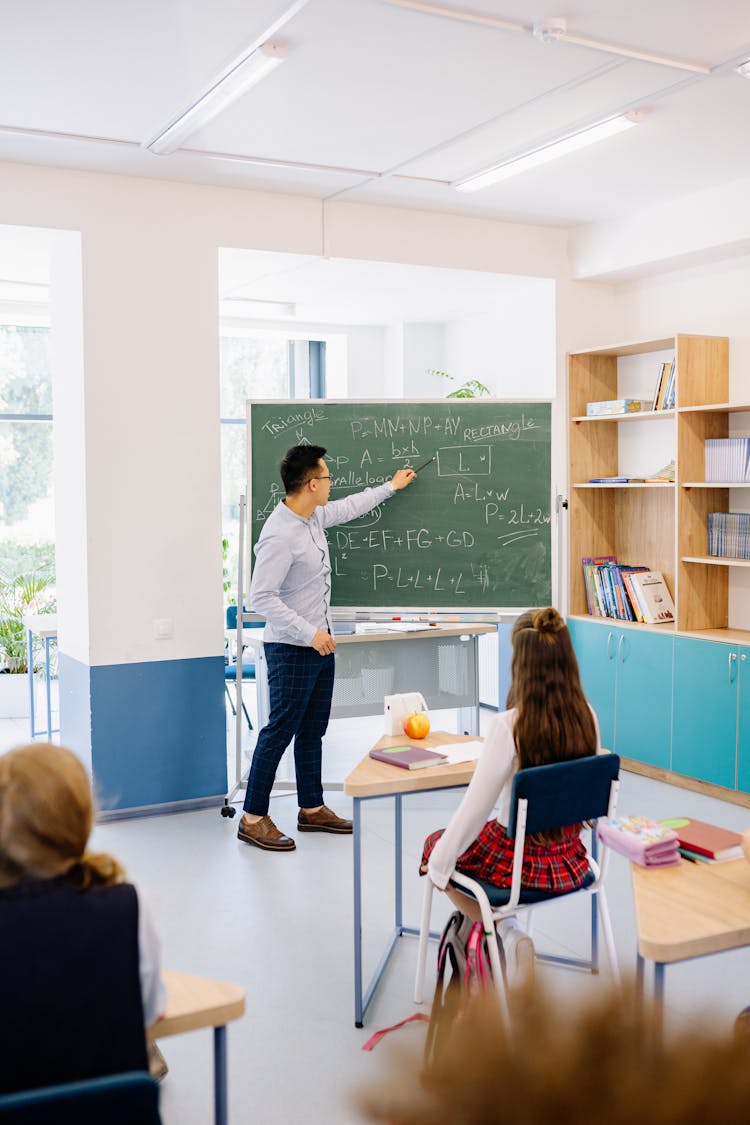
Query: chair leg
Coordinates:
[249,722]
[424,936]
[229,697]
[609,939]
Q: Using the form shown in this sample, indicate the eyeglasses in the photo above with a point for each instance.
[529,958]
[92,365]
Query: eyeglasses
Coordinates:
[326,477]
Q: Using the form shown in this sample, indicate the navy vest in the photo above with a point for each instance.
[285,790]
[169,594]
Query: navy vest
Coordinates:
[70,992]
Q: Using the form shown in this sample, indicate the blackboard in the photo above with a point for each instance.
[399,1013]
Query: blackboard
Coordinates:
[472,531]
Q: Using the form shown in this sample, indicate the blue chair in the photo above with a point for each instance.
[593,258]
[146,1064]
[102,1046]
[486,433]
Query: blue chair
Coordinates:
[131,1098]
[543,798]
[230,666]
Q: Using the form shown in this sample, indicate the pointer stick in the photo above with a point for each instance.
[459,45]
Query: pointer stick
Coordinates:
[424,466]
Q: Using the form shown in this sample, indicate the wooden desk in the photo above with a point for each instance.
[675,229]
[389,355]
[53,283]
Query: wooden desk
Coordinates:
[195,1002]
[691,910]
[371,780]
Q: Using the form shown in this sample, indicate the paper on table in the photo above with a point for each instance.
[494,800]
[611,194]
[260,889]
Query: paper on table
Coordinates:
[457,752]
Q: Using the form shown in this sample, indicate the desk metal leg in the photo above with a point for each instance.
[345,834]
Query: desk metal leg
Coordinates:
[398,882]
[220,1076]
[48,686]
[30,666]
[357,851]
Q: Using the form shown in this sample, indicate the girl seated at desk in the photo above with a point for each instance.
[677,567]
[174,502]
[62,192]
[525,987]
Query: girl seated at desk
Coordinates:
[79,958]
[548,720]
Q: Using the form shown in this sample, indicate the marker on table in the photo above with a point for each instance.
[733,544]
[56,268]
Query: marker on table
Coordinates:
[424,466]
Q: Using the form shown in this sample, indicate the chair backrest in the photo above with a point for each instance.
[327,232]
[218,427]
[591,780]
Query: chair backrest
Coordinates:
[131,1098]
[232,620]
[564,793]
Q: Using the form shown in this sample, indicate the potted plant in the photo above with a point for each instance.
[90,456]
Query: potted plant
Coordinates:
[472,388]
[19,595]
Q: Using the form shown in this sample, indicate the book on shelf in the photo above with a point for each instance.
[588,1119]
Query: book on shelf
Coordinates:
[643,841]
[729,535]
[609,480]
[669,397]
[653,596]
[607,590]
[707,841]
[635,605]
[409,757]
[727,459]
[613,406]
[667,474]
[661,386]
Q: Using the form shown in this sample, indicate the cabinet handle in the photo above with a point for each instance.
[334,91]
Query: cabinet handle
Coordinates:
[609,644]
[620,657]
[731,661]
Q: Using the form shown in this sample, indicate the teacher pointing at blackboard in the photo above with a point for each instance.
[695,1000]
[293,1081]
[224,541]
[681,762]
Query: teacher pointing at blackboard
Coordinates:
[291,588]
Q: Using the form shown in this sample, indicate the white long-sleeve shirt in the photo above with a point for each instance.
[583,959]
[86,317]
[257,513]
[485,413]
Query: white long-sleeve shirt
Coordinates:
[489,787]
[291,583]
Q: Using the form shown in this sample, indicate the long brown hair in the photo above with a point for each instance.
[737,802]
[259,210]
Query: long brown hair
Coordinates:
[553,720]
[46,816]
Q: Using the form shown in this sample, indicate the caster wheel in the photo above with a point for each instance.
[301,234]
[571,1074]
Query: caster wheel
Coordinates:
[228,810]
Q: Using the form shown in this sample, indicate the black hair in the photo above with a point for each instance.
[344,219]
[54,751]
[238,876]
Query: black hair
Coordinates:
[299,465]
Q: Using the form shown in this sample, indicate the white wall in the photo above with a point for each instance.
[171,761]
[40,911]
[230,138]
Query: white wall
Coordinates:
[711,300]
[150,378]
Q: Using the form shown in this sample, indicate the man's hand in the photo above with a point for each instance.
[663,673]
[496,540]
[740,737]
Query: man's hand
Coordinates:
[401,478]
[323,643]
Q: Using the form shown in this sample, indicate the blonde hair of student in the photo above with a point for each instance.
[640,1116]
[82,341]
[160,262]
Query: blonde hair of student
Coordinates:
[46,817]
[567,1063]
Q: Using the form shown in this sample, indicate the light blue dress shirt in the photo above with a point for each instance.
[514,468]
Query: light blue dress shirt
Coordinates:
[291,583]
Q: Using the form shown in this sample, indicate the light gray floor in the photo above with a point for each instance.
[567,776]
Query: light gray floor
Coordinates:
[281,925]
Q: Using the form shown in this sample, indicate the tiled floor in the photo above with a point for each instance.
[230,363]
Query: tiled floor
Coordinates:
[281,925]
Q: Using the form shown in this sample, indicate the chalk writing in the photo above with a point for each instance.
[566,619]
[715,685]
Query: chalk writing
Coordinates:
[472,530]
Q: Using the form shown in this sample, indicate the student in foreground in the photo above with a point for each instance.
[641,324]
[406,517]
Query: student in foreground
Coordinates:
[79,958]
[548,720]
[567,1064]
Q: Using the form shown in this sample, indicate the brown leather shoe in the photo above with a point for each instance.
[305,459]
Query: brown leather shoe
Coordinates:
[264,834]
[324,820]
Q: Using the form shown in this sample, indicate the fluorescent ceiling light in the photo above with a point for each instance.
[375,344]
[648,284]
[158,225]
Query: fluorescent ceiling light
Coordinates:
[257,307]
[552,151]
[256,61]
[744,69]
[239,80]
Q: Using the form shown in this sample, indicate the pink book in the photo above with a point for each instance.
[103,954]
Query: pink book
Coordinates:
[641,840]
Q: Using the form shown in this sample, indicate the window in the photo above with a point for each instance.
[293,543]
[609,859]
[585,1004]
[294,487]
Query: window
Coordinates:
[266,365]
[27,519]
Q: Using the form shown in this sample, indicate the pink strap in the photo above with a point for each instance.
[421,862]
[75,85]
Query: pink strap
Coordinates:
[375,1039]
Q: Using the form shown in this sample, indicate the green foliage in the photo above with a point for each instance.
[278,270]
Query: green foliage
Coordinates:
[26,558]
[24,593]
[226,580]
[26,447]
[472,388]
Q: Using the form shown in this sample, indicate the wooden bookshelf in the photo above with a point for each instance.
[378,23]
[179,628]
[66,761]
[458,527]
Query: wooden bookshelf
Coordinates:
[662,526]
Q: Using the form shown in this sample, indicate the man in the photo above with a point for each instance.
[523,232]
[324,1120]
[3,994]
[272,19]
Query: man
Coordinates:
[291,588]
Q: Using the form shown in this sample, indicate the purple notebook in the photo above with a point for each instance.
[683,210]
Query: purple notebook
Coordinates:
[641,840]
[409,757]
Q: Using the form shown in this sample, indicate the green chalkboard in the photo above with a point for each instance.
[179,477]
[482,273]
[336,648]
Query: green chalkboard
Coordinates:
[472,531]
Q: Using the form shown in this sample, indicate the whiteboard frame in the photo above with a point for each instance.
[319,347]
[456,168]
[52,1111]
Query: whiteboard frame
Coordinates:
[407,613]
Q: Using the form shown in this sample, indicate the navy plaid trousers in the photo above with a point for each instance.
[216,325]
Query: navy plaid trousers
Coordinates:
[300,688]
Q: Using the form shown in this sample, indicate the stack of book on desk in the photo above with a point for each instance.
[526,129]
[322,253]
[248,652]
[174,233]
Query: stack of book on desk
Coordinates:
[705,843]
[644,841]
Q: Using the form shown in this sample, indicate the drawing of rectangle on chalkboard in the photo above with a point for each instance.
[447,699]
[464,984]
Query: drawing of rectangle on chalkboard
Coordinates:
[453,539]
[460,461]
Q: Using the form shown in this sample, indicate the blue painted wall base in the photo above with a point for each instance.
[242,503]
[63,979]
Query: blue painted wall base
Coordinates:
[156,730]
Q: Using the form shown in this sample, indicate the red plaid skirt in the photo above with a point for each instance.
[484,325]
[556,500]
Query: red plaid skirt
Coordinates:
[557,866]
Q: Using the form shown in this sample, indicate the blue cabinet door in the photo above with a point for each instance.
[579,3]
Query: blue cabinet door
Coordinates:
[643,711]
[743,722]
[704,727]
[595,647]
